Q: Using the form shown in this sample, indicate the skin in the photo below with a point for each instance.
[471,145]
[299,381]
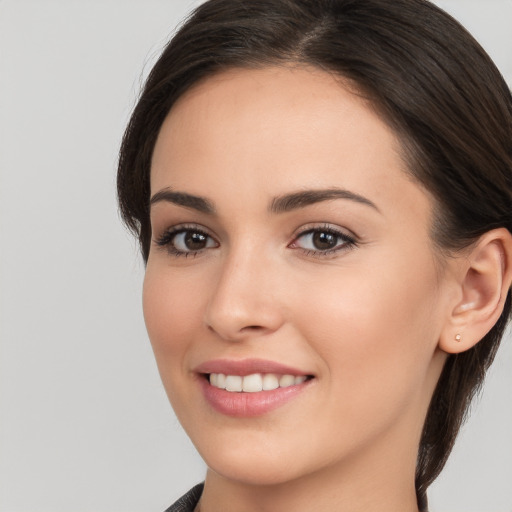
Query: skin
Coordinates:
[365,320]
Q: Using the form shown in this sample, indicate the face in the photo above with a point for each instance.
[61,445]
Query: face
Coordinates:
[291,263]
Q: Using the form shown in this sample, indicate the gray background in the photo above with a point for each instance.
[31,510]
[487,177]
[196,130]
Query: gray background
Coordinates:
[84,422]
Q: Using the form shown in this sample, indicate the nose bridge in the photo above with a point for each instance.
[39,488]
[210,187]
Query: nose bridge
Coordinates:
[243,300]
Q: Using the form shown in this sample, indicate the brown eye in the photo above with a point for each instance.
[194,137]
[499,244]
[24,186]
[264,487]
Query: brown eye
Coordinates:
[323,240]
[195,241]
[191,241]
[186,241]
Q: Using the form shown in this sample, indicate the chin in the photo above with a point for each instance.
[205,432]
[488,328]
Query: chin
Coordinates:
[255,471]
[249,462]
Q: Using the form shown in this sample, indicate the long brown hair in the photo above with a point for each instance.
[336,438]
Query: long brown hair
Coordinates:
[428,79]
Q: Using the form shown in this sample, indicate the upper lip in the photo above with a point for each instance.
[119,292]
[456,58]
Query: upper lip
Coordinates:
[244,367]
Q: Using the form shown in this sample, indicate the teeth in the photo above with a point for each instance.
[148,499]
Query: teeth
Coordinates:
[221,380]
[286,380]
[252,383]
[255,382]
[234,383]
[270,381]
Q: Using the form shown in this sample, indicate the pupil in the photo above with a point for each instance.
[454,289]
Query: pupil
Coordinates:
[322,240]
[195,241]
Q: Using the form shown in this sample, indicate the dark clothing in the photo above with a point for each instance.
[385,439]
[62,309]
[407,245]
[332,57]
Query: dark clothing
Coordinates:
[188,502]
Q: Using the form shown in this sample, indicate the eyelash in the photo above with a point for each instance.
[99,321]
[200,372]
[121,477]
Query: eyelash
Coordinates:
[349,242]
[167,239]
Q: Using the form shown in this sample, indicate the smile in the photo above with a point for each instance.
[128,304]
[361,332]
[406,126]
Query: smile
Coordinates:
[255,382]
[250,387]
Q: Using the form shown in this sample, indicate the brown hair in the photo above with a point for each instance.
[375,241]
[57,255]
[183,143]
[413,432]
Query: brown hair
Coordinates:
[429,80]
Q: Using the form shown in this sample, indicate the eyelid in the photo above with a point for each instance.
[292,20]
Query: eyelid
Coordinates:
[350,240]
[165,238]
[325,226]
[185,226]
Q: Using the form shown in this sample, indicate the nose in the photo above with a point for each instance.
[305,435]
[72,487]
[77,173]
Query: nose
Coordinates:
[244,301]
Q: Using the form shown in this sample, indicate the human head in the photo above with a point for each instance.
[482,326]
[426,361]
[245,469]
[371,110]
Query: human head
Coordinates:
[447,103]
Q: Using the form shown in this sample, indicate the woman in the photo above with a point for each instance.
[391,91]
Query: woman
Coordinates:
[322,194]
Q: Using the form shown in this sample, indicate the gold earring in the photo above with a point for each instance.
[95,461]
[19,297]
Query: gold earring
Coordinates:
[458,337]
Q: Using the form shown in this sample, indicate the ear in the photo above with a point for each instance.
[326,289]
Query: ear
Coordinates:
[485,277]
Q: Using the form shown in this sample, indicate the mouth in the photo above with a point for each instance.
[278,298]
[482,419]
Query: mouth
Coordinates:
[250,387]
[255,382]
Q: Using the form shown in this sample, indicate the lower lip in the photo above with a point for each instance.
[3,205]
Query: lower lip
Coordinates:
[247,405]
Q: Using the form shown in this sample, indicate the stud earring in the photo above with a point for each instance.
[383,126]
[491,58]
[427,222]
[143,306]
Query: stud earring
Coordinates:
[458,338]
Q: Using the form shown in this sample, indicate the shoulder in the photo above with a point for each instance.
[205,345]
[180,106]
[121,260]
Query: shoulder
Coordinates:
[188,502]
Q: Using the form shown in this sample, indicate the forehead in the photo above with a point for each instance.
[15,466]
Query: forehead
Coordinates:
[309,102]
[264,131]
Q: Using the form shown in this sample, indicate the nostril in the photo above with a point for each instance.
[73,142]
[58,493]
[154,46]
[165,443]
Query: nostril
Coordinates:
[247,328]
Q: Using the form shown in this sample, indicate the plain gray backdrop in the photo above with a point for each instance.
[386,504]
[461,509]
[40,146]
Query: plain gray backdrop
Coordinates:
[84,422]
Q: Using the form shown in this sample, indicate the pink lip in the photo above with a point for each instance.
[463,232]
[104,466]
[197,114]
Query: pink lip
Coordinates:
[246,405]
[246,367]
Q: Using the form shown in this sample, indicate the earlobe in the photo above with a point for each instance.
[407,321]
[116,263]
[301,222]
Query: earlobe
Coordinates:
[485,279]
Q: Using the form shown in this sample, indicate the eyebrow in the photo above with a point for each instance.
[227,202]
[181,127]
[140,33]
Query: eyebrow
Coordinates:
[193,202]
[289,202]
[280,204]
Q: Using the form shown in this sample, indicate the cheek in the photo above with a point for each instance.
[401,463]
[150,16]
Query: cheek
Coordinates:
[368,309]
[171,312]
[376,335]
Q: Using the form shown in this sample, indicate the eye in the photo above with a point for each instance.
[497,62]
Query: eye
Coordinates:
[183,241]
[323,240]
